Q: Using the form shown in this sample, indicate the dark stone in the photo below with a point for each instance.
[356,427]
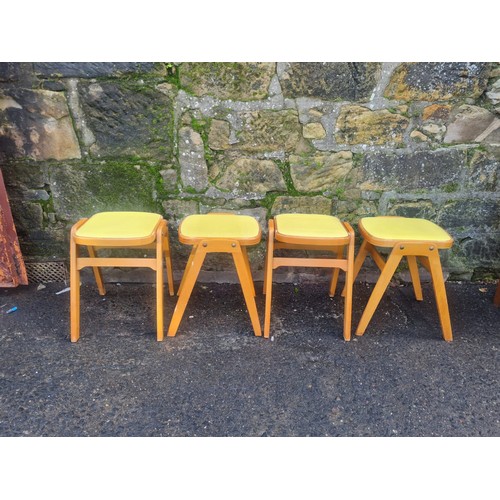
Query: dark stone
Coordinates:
[484,172]
[82,190]
[464,214]
[418,170]
[128,120]
[431,81]
[53,85]
[339,80]
[16,72]
[90,69]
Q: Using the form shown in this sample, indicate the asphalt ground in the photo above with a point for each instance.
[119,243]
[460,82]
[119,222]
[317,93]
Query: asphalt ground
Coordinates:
[215,378]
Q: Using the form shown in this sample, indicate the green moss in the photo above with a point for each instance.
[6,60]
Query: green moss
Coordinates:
[357,159]
[202,127]
[284,166]
[451,187]
[268,201]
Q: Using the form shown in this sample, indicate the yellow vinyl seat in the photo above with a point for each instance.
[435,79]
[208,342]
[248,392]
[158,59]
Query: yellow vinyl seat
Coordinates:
[118,230]
[417,240]
[311,232]
[214,233]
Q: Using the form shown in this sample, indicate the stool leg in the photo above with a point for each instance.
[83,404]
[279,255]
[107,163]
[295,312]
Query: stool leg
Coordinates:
[415,278]
[168,262]
[349,280]
[74,292]
[358,262]
[159,285]
[248,290]
[186,269]
[97,272]
[249,271]
[380,287]
[440,294]
[335,276]
[189,279]
[268,280]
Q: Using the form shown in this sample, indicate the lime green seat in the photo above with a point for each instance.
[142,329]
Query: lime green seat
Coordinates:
[309,226]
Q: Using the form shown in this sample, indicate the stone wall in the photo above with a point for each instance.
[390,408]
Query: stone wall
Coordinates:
[350,139]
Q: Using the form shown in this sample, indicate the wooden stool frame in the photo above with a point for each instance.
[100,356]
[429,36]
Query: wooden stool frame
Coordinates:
[426,252]
[159,241]
[336,245]
[204,246]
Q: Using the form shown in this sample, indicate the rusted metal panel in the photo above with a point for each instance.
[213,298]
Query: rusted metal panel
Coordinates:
[12,270]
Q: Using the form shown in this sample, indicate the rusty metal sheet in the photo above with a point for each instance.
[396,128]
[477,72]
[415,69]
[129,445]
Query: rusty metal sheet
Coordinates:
[12,270]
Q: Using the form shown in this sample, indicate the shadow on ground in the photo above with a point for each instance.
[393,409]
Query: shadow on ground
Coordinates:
[215,378]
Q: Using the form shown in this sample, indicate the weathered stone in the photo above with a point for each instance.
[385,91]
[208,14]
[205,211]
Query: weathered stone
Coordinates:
[28,217]
[36,124]
[420,209]
[432,81]
[82,190]
[418,136]
[218,137]
[360,125]
[247,175]
[194,172]
[484,172]
[434,128]
[418,170]
[436,112]
[302,205]
[331,81]
[53,85]
[90,69]
[321,172]
[494,92]
[471,214]
[238,81]
[169,177]
[313,131]
[21,73]
[269,131]
[470,124]
[36,195]
[175,210]
[128,119]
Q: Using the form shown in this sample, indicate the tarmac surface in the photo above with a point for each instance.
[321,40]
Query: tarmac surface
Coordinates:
[215,378]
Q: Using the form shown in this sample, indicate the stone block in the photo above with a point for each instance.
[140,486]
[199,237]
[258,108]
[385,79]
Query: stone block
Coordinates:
[90,69]
[412,170]
[484,172]
[36,124]
[420,209]
[128,120]
[320,172]
[176,210]
[237,81]
[194,171]
[247,175]
[437,81]
[471,213]
[314,131]
[302,205]
[265,131]
[218,137]
[330,81]
[360,125]
[470,124]
[82,190]
[436,112]
[169,177]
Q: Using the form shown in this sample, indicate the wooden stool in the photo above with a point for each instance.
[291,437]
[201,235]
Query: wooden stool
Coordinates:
[311,232]
[217,232]
[410,238]
[119,230]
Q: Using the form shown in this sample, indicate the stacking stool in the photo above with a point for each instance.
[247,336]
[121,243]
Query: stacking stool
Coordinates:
[311,232]
[217,232]
[410,238]
[119,230]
